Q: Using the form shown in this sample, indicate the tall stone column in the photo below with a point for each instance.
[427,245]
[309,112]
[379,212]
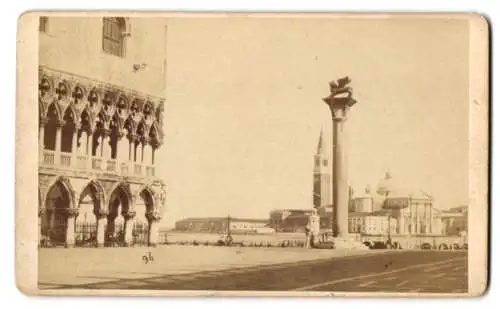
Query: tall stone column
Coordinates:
[340,191]
[70,227]
[339,101]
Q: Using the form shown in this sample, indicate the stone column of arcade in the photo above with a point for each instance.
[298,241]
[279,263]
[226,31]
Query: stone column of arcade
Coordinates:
[101,217]
[153,218]
[70,227]
[57,155]
[129,222]
[106,147]
[74,145]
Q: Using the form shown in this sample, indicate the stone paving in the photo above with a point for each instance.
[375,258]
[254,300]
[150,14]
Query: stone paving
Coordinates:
[77,266]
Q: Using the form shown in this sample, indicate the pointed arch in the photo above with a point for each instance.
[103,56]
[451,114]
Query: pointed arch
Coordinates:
[142,129]
[130,126]
[146,193]
[71,115]
[87,120]
[55,112]
[96,190]
[65,184]
[122,191]
[155,135]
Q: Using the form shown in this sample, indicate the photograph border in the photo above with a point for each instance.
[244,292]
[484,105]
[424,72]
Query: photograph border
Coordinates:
[26,181]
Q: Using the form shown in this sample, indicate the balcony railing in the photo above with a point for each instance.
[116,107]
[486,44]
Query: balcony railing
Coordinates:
[81,162]
[150,171]
[111,166]
[66,159]
[48,157]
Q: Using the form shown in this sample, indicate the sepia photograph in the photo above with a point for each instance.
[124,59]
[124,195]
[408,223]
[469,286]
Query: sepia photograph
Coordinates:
[252,154]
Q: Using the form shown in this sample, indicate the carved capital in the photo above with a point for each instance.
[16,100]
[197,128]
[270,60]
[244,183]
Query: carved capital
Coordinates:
[41,211]
[132,137]
[43,121]
[153,215]
[101,213]
[72,212]
[127,215]
[60,123]
[105,132]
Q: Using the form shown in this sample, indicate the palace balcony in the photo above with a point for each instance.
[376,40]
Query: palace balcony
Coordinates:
[85,163]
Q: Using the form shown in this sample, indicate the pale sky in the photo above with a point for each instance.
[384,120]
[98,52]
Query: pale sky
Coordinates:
[244,110]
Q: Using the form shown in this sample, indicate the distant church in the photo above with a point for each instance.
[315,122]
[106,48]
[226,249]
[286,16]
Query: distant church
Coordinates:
[322,186]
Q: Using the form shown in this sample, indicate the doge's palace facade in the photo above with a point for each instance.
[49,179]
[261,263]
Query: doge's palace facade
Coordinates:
[101,111]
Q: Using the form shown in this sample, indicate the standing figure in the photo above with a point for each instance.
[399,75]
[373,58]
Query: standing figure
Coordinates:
[314,227]
[308,237]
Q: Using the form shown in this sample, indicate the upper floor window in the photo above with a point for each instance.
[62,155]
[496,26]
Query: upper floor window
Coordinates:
[113,35]
[43,23]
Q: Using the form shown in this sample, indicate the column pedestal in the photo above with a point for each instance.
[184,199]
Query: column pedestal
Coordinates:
[401,225]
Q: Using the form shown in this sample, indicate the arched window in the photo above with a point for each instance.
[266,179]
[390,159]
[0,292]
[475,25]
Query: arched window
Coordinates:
[113,34]
[42,27]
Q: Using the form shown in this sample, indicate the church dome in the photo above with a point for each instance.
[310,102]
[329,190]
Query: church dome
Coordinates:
[386,185]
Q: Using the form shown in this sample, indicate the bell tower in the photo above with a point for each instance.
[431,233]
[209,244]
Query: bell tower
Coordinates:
[322,179]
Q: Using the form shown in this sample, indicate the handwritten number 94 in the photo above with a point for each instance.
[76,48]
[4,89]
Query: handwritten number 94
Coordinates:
[147,258]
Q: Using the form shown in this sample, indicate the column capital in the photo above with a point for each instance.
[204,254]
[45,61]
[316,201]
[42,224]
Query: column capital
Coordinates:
[43,121]
[121,135]
[41,211]
[105,132]
[72,212]
[127,215]
[101,213]
[60,123]
[145,140]
[132,137]
[153,215]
